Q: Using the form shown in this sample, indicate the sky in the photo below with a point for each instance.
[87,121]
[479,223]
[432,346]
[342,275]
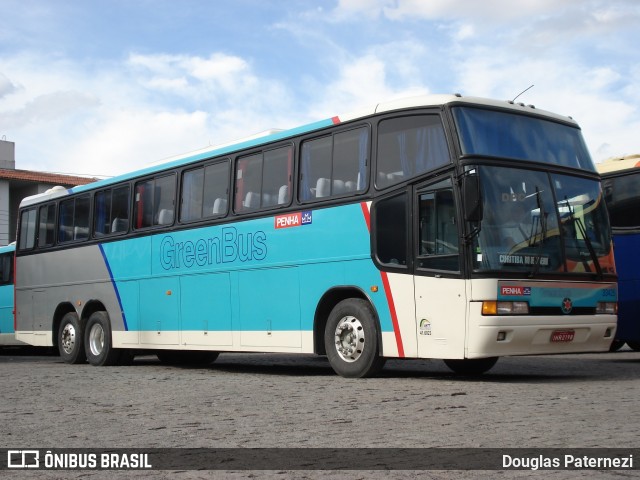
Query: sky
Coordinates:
[104,87]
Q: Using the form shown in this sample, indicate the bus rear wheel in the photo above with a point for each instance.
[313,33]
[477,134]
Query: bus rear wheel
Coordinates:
[97,340]
[471,366]
[351,339]
[70,339]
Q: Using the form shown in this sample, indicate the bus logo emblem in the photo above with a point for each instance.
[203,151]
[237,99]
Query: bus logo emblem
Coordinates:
[297,219]
[567,306]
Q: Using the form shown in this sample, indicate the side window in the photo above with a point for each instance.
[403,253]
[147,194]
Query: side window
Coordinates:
[154,202]
[315,171]
[192,195]
[74,219]
[47,225]
[390,226]
[437,229]
[6,269]
[204,192]
[248,183]
[27,238]
[409,146]
[621,196]
[263,180]
[216,189]
[277,176]
[334,165]
[111,211]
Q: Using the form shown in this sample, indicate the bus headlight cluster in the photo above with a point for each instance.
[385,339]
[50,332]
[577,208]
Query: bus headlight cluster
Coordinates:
[607,308]
[493,307]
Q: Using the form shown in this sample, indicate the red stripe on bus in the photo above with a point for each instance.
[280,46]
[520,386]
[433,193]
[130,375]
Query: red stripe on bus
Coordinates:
[387,289]
[365,212]
[335,120]
[394,315]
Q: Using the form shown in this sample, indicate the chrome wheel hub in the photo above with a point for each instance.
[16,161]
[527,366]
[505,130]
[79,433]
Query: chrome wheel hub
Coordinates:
[68,339]
[96,340]
[349,339]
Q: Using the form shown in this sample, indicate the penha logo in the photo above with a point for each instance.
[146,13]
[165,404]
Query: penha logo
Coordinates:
[297,219]
[567,306]
[519,291]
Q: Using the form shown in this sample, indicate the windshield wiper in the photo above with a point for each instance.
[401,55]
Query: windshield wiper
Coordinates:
[543,233]
[587,240]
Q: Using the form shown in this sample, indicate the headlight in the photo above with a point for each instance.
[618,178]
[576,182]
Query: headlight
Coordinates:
[607,308]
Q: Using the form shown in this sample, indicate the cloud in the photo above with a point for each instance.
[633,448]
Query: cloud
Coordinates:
[109,118]
[6,86]
[111,115]
[48,107]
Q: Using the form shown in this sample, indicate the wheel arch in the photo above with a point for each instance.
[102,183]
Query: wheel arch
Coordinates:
[90,308]
[327,303]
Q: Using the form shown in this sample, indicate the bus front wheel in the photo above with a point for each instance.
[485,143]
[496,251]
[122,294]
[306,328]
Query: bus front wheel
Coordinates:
[97,340]
[473,366]
[70,339]
[351,339]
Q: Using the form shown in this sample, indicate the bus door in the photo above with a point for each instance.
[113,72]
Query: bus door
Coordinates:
[439,289]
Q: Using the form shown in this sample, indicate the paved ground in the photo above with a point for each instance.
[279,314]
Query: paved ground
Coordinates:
[266,400]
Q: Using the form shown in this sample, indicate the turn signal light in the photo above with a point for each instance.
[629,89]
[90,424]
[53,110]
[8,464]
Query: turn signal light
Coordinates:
[491,307]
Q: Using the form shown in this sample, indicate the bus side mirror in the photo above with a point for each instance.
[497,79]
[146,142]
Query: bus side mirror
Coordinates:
[471,198]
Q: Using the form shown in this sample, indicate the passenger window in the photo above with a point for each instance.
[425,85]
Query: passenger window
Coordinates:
[6,269]
[205,192]
[47,227]
[263,180]
[27,238]
[408,147]
[111,211]
[154,202]
[437,230]
[216,189]
[74,219]
[192,195]
[248,180]
[621,194]
[335,165]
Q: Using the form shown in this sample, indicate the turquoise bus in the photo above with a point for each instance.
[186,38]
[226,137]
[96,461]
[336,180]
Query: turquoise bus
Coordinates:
[7,333]
[621,184]
[446,227]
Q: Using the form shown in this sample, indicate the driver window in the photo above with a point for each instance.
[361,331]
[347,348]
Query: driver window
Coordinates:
[437,231]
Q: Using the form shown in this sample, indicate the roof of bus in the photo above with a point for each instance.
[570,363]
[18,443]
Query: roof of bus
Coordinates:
[616,164]
[277,134]
[8,248]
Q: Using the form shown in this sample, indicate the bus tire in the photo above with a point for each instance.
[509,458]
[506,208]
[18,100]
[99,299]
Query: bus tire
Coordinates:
[471,366]
[351,339]
[71,339]
[187,357]
[635,346]
[97,341]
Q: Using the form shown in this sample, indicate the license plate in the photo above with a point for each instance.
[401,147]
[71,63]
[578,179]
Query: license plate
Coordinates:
[560,336]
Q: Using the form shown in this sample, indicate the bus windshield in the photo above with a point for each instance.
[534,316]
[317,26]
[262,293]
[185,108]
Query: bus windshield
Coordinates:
[539,222]
[501,134]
